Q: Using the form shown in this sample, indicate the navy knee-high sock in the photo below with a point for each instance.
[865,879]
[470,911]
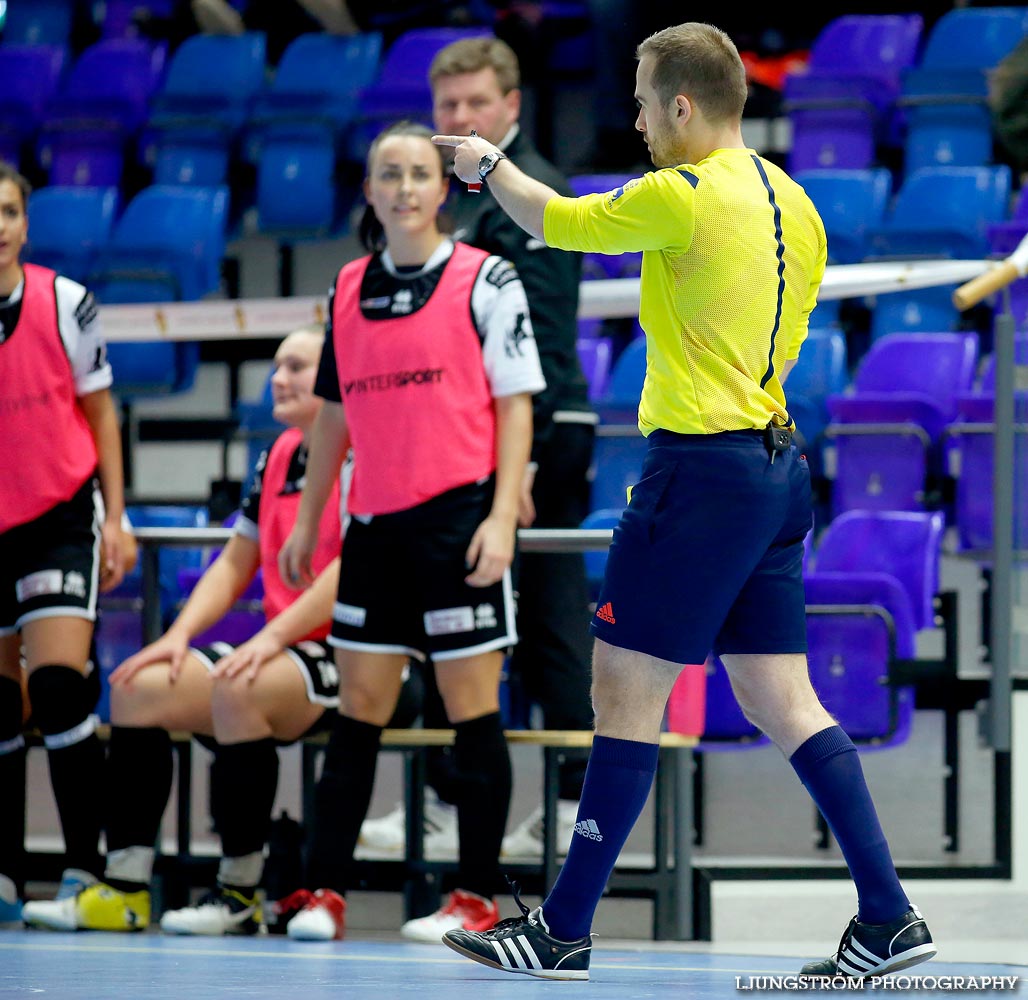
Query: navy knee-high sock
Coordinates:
[617,784]
[829,767]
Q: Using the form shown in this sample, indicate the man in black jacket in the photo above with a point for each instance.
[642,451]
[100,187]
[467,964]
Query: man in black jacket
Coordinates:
[475,84]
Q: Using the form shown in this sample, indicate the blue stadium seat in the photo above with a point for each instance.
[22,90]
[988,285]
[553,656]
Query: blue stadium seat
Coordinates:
[944,212]
[820,371]
[620,402]
[168,245]
[918,310]
[944,96]
[205,97]
[315,89]
[617,462]
[849,202]
[29,77]
[68,227]
[296,188]
[596,559]
[38,22]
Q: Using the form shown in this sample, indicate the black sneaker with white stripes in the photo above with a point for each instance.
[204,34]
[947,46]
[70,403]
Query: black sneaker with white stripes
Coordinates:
[524,945]
[868,950]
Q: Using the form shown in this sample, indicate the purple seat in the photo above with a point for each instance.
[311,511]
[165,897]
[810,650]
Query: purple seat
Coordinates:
[594,353]
[87,128]
[119,635]
[401,89]
[29,77]
[842,106]
[887,564]
[887,428]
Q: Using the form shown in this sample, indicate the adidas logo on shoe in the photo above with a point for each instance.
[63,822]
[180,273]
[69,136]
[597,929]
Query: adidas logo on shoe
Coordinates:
[606,613]
[588,829]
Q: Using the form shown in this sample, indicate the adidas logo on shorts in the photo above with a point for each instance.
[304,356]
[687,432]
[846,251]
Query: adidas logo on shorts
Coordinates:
[588,829]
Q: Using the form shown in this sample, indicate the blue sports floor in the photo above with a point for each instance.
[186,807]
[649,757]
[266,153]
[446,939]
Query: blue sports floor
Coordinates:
[97,966]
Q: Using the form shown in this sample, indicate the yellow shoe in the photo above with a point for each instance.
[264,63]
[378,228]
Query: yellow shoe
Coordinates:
[103,908]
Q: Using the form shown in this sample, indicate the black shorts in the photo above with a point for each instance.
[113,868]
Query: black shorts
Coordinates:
[708,554]
[50,567]
[313,660]
[402,589]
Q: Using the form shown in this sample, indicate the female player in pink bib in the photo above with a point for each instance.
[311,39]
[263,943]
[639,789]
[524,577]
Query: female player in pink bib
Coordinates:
[427,373]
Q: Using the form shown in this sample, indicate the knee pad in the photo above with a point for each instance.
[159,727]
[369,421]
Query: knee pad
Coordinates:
[10,715]
[62,705]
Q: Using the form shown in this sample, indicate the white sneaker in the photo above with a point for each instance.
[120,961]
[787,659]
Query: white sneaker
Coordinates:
[322,917]
[526,839]
[220,912]
[388,835]
[461,911]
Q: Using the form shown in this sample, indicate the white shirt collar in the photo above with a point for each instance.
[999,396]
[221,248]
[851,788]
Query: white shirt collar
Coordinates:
[440,254]
[512,134]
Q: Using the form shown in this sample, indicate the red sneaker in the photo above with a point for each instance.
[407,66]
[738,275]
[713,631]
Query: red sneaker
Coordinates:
[322,917]
[461,911]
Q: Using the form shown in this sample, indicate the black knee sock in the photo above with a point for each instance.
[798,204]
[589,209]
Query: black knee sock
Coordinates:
[62,704]
[12,784]
[483,767]
[341,801]
[244,779]
[139,774]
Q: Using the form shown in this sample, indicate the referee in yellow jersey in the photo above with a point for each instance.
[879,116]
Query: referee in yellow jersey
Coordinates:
[708,554]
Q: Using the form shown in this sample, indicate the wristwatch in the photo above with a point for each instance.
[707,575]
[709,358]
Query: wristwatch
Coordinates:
[487,164]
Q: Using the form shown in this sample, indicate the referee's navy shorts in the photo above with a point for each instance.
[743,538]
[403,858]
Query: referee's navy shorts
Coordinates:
[708,555]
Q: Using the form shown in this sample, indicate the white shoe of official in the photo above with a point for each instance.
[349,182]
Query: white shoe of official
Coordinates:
[388,835]
[526,839]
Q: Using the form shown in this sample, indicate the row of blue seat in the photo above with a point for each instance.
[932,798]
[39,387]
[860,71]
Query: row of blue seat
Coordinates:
[185,116]
[877,81]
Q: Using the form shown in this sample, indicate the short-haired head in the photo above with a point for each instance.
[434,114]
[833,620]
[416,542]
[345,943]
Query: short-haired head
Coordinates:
[470,55]
[700,61]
